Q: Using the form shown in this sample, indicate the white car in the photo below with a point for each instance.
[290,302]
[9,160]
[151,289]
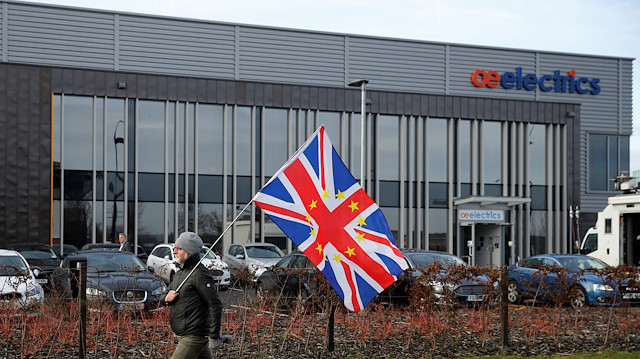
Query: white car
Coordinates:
[18,285]
[254,258]
[163,263]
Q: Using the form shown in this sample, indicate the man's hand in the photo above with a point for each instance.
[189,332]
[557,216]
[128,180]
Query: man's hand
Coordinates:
[171,296]
[214,344]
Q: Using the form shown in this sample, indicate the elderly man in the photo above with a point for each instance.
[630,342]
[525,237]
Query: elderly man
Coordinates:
[125,245]
[196,310]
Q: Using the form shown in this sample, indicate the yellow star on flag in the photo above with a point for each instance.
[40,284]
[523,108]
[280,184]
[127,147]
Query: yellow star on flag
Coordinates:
[319,248]
[350,251]
[308,218]
[313,232]
[361,222]
[360,237]
[325,194]
[313,205]
[353,206]
[340,195]
[337,258]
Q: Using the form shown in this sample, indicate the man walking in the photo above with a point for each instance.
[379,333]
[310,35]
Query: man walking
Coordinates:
[196,310]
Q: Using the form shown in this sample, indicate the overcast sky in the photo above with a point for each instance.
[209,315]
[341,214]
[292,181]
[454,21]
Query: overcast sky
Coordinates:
[593,27]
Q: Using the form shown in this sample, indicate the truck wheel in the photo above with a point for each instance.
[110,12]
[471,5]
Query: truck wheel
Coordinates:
[578,297]
[513,292]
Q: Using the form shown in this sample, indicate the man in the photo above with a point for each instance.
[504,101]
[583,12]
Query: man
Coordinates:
[125,245]
[196,310]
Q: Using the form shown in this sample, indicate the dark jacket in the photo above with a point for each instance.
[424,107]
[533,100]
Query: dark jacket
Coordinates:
[126,246]
[197,310]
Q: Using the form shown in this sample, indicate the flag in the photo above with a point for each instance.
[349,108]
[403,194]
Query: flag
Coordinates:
[318,204]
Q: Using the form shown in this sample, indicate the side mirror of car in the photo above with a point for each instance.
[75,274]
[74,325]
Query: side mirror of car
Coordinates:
[37,272]
[153,271]
[240,256]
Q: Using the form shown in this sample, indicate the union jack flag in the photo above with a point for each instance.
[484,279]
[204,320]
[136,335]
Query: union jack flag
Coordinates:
[317,203]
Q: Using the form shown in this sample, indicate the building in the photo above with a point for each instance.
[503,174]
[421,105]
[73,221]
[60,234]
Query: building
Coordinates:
[116,122]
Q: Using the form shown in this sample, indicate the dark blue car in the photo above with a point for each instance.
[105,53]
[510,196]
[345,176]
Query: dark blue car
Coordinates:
[577,279]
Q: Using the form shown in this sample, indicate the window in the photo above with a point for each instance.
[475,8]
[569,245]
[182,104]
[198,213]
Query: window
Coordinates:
[608,157]
[590,244]
[607,225]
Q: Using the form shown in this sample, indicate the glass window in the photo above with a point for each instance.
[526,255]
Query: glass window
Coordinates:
[243,141]
[151,136]
[438,229]
[538,197]
[438,197]
[612,161]
[150,228]
[77,222]
[171,139]
[492,152]
[78,132]
[437,149]
[331,121]
[388,144]
[598,162]
[151,187]
[538,232]
[389,195]
[356,145]
[464,148]
[209,189]
[210,135]
[607,225]
[115,135]
[210,223]
[275,140]
[56,127]
[179,137]
[537,155]
[392,215]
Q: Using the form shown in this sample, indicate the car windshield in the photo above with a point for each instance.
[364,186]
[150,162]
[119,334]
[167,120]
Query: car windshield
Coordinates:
[116,262]
[264,252]
[427,259]
[38,253]
[208,254]
[576,264]
[12,266]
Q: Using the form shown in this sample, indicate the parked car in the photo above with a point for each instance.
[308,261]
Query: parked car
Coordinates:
[292,277]
[142,254]
[162,262]
[18,285]
[67,249]
[253,258]
[442,284]
[42,257]
[573,277]
[116,278]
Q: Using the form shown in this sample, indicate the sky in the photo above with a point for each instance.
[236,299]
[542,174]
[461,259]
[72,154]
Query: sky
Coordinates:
[591,27]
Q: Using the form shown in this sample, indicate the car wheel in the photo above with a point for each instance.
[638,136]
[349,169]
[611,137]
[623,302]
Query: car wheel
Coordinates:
[578,297]
[513,292]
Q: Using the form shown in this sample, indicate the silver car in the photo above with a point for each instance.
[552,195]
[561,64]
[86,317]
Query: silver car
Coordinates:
[18,285]
[253,258]
[163,263]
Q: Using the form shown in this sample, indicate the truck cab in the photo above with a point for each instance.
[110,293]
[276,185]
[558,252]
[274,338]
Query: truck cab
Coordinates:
[615,238]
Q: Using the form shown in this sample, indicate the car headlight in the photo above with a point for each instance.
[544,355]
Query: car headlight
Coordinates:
[159,290]
[603,287]
[96,292]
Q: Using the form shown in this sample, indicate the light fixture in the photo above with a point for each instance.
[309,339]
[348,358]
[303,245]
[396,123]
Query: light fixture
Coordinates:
[363,103]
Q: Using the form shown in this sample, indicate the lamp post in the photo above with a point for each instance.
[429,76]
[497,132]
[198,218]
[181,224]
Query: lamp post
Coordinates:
[363,104]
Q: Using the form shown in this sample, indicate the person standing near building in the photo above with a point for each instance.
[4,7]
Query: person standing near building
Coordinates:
[125,245]
[195,310]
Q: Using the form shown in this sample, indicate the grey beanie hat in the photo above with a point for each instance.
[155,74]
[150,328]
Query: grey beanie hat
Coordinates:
[189,242]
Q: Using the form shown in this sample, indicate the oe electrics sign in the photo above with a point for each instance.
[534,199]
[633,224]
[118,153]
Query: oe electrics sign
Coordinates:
[481,215]
[530,82]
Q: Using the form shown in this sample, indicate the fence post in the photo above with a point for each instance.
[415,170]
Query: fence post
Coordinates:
[504,283]
[82,307]
[329,344]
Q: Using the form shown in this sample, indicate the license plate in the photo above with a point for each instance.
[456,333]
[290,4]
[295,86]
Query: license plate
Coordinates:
[42,281]
[631,296]
[475,298]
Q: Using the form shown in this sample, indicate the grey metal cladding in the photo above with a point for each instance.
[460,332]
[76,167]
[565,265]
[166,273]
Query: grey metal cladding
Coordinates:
[272,55]
[465,60]
[177,47]
[63,37]
[393,65]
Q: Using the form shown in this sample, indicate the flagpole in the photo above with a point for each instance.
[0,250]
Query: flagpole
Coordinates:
[214,243]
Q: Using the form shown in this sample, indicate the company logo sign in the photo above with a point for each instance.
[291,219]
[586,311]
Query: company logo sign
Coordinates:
[530,82]
[481,215]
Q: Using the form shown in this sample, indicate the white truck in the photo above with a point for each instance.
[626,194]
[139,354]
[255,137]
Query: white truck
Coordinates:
[615,238]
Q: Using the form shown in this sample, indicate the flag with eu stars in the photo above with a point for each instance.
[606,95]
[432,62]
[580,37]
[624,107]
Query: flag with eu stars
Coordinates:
[318,204]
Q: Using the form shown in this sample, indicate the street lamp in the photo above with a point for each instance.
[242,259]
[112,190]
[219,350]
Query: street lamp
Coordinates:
[363,103]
